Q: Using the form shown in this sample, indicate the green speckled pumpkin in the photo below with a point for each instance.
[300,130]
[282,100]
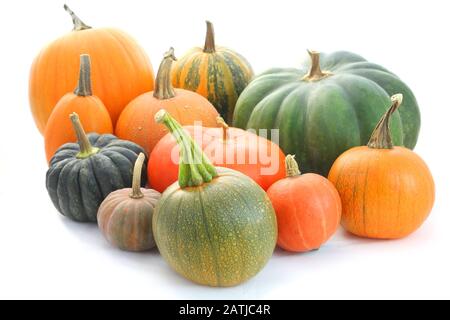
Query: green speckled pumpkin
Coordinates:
[217,73]
[328,106]
[215,226]
[81,175]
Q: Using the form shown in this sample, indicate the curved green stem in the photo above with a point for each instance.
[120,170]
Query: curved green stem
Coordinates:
[86,149]
[136,192]
[78,25]
[195,167]
[163,83]
[381,136]
[84,88]
[210,44]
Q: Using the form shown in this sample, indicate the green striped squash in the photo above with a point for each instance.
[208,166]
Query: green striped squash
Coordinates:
[328,106]
[217,73]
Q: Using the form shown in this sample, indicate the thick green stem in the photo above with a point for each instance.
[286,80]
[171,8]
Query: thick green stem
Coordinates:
[136,192]
[381,136]
[84,88]
[210,44]
[221,122]
[315,73]
[163,83]
[78,25]
[86,149]
[292,169]
[195,168]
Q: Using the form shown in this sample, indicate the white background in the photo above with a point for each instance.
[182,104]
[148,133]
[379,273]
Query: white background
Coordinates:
[43,255]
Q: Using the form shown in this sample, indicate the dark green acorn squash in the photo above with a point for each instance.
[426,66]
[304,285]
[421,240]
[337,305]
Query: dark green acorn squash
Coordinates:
[215,226]
[328,106]
[81,175]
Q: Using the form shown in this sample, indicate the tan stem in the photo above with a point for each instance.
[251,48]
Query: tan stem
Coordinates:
[78,24]
[315,73]
[136,192]
[292,169]
[210,44]
[381,136]
[221,122]
[163,83]
[86,149]
[84,88]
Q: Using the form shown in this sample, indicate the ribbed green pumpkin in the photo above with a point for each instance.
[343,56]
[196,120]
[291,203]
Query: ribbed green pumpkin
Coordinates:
[321,114]
[215,226]
[217,73]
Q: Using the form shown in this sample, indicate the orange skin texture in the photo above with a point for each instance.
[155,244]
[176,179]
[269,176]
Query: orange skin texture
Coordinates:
[137,121]
[163,171]
[59,130]
[120,68]
[308,210]
[386,193]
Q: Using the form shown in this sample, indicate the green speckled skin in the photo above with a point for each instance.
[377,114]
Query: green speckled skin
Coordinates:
[220,234]
[320,120]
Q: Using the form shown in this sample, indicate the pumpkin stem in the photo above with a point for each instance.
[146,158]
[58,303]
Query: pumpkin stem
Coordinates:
[381,136]
[315,73]
[84,88]
[136,193]
[163,84]
[78,25]
[195,167]
[221,122]
[292,169]
[86,149]
[210,44]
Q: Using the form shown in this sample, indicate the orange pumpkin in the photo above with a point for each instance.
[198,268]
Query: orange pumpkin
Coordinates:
[137,124]
[90,109]
[387,192]
[233,148]
[308,209]
[121,70]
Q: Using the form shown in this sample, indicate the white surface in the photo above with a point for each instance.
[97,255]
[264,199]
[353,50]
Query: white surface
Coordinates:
[43,255]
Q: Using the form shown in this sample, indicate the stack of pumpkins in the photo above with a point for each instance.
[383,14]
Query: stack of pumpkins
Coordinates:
[228,195]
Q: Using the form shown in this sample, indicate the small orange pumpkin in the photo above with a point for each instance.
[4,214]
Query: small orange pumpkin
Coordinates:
[125,216]
[121,69]
[90,108]
[136,123]
[308,209]
[387,192]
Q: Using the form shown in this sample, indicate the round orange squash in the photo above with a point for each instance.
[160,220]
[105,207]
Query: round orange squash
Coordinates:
[256,157]
[137,124]
[308,209]
[387,192]
[121,69]
[90,108]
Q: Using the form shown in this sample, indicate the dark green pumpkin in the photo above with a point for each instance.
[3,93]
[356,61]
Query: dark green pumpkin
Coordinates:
[81,175]
[321,114]
[215,226]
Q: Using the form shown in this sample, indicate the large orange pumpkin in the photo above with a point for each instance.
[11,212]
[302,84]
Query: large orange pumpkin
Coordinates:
[121,70]
[308,209]
[90,108]
[137,124]
[387,192]
[233,148]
